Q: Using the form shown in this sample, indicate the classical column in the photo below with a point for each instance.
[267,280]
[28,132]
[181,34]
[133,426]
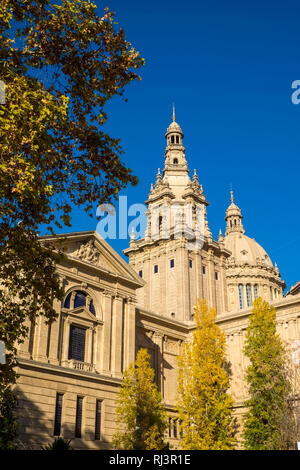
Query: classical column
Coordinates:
[40,340]
[23,348]
[65,342]
[211,280]
[159,373]
[104,359]
[129,332]
[198,276]
[54,333]
[183,291]
[162,271]
[88,346]
[97,347]
[223,287]
[147,276]
[117,336]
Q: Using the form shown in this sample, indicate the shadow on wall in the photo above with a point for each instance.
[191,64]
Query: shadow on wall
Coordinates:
[36,428]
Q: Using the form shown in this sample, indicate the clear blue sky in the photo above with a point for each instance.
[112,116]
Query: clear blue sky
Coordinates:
[228,66]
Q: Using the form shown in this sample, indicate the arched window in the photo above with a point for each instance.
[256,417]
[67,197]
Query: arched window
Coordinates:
[255,291]
[67,301]
[172,139]
[249,296]
[175,161]
[78,299]
[271,293]
[241,296]
[177,139]
[92,308]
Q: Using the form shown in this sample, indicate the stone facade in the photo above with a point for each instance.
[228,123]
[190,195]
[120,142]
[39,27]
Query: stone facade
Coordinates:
[70,371]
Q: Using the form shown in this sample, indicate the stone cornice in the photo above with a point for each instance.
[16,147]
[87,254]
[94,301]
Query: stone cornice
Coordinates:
[161,321]
[68,372]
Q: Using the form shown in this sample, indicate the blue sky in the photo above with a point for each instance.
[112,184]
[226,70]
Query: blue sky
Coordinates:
[228,66]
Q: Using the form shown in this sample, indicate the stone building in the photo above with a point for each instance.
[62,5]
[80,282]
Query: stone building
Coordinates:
[70,371]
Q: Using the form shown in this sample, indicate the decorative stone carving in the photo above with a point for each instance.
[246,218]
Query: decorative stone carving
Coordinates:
[88,252]
[171,346]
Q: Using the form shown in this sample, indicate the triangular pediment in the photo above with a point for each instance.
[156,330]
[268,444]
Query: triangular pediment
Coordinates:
[90,248]
[83,313]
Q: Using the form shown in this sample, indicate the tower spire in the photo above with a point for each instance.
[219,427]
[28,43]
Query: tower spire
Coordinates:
[174,117]
[234,218]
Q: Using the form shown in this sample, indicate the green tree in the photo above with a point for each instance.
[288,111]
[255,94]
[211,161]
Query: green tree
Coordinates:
[140,412]
[269,388]
[60,63]
[59,444]
[204,404]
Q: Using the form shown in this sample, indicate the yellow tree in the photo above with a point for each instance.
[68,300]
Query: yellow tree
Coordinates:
[204,404]
[61,63]
[140,411]
[269,418]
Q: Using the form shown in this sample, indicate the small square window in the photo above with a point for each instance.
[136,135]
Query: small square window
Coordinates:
[191,263]
[203,269]
[216,276]
[155,268]
[141,273]
[172,263]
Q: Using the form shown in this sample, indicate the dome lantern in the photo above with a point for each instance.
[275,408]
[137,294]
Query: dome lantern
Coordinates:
[234,218]
[174,134]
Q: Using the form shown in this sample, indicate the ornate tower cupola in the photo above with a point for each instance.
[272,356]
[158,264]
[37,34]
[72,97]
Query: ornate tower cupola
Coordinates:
[175,152]
[234,218]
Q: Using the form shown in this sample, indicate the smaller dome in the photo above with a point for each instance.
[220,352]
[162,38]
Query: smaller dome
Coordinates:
[233,209]
[246,250]
[174,127]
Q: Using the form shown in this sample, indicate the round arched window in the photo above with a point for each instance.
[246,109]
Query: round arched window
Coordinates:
[76,299]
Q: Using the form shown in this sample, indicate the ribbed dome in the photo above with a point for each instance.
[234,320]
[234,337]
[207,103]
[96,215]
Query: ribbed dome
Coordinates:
[246,250]
[174,127]
[233,209]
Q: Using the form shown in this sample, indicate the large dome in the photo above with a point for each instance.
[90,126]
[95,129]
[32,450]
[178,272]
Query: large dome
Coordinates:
[246,250]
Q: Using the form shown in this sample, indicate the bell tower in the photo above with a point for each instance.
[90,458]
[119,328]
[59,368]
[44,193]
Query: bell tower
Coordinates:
[178,258]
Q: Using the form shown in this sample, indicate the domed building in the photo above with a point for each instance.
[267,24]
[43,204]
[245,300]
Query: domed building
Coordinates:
[249,270]
[70,371]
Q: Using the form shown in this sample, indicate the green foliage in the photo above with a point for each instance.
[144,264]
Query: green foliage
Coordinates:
[59,444]
[204,404]
[268,404]
[60,63]
[140,410]
[8,422]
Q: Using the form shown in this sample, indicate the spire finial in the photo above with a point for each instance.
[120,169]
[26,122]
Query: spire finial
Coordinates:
[174,117]
[158,178]
[231,195]
[132,235]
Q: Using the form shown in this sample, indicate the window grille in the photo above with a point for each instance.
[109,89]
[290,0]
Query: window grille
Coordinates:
[78,422]
[77,343]
[241,296]
[58,413]
[80,299]
[249,296]
[98,420]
